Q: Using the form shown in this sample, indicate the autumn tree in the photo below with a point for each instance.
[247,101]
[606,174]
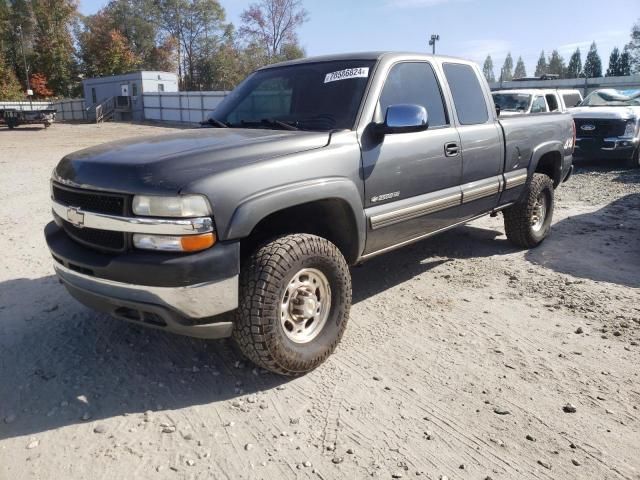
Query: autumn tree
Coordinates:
[273,25]
[593,64]
[39,85]
[139,21]
[541,67]
[104,50]
[487,69]
[574,69]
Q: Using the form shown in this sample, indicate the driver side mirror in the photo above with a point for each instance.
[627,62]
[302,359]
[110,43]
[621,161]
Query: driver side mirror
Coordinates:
[497,109]
[405,119]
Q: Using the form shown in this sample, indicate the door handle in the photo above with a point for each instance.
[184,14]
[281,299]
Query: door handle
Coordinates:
[451,149]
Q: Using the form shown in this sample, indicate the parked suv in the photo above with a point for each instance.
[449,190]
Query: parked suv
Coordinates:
[518,102]
[311,166]
[608,126]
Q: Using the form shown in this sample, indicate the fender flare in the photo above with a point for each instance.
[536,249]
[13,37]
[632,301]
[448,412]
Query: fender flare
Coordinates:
[541,150]
[257,207]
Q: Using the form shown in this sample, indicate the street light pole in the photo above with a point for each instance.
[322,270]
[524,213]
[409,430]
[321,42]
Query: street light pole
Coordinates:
[26,69]
[432,42]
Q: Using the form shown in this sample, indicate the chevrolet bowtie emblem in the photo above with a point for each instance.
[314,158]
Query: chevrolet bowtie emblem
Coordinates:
[75,217]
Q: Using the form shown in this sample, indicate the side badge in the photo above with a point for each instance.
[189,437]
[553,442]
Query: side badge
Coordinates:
[386,196]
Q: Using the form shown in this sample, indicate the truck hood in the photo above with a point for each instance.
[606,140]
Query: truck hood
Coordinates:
[603,113]
[164,164]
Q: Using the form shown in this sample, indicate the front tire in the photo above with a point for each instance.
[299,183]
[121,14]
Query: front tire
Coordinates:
[634,161]
[528,222]
[295,296]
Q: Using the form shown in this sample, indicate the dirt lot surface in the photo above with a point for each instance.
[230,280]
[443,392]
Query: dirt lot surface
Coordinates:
[460,356]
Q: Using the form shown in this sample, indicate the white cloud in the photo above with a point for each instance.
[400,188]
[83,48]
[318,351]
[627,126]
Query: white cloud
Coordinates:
[477,50]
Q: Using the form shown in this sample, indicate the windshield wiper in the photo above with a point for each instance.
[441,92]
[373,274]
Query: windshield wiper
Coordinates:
[279,123]
[212,122]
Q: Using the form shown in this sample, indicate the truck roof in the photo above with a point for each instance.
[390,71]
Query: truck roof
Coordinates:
[374,55]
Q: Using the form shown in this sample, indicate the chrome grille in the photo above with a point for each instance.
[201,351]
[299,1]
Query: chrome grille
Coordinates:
[98,202]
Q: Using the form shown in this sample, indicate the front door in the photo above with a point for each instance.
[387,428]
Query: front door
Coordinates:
[124,89]
[412,180]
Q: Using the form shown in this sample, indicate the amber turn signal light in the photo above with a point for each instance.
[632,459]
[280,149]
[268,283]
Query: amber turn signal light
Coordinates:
[195,243]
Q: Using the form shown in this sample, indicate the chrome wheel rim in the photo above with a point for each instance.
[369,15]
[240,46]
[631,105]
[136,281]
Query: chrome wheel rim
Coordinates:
[539,214]
[305,305]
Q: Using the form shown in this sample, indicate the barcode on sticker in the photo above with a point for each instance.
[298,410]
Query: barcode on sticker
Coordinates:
[362,72]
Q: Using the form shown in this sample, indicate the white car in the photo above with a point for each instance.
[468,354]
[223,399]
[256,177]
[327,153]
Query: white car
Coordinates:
[519,102]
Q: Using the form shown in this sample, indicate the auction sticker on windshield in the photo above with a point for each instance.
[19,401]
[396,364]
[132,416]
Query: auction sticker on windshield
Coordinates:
[362,72]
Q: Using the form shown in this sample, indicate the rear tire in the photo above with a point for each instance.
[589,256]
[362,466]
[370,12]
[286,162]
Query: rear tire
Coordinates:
[295,296]
[527,223]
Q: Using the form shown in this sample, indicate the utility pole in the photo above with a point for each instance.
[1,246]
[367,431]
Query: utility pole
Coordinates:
[434,38]
[26,69]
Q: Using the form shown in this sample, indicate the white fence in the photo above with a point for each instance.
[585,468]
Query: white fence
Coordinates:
[66,109]
[190,107]
[70,109]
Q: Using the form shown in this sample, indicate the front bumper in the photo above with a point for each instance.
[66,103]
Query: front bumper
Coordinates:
[609,148]
[184,294]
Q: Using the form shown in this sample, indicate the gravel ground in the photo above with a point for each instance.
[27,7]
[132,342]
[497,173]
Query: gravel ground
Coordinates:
[465,358]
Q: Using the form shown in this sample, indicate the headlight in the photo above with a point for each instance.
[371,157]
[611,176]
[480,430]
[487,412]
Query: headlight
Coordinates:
[168,243]
[183,206]
[630,129]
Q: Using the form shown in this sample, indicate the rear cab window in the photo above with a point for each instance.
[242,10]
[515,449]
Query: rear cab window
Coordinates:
[468,96]
[414,83]
[571,99]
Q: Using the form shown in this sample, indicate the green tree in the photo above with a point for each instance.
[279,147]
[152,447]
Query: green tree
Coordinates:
[556,64]
[487,70]
[541,67]
[625,62]
[506,73]
[633,48]
[10,88]
[574,69]
[614,63]
[53,51]
[520,71]
[593,64]
[199,27]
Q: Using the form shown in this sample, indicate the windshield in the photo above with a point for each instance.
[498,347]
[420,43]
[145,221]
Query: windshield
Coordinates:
[309,96]
[612,98]
[512,102]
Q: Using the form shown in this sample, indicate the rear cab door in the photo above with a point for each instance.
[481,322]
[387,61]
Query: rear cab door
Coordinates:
[481,140]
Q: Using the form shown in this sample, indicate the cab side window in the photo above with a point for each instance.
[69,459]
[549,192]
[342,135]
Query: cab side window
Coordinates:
[414,83]
[538,105]
[468,97]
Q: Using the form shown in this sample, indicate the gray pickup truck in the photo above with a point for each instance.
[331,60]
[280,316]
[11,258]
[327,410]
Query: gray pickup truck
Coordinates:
[248,228]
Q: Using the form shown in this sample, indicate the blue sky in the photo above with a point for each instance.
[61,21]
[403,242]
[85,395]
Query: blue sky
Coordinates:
[468,28]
